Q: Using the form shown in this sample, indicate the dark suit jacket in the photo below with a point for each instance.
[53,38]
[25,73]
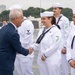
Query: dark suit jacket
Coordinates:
[9,45]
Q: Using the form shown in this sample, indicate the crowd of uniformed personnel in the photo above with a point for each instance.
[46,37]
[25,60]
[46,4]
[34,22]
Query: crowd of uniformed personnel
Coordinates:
[55,42]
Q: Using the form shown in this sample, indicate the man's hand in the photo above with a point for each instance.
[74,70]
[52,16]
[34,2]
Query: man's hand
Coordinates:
[63,51]
[43,58]
[30,50]
[72,63]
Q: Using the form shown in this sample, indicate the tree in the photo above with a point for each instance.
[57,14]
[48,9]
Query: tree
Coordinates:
[68,13]
[5,15]
[33,12]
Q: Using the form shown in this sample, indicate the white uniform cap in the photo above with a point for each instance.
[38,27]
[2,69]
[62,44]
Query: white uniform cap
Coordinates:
[16,6]
[46,14]
[74,11]
[57,5]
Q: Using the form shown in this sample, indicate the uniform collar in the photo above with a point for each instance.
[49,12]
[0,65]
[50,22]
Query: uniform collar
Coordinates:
[45,29]
[59,16]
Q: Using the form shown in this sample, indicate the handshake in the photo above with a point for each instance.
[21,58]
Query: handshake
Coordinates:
[31,50]
[72,63]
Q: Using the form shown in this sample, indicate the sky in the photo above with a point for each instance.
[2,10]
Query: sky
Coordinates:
[37,3]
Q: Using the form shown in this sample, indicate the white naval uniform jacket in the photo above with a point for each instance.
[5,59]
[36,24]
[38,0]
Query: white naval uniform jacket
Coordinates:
[71,52]
[26,31]
[50,45]
[64,25]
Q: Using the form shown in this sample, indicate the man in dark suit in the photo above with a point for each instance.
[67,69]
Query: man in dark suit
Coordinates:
[10,44]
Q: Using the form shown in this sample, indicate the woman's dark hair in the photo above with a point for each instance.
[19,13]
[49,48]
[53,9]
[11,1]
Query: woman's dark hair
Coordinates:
[53,20]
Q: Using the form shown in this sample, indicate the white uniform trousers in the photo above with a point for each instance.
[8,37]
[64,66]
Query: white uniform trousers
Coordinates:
[72,71]
[64,65]
[24,66]
[48,67]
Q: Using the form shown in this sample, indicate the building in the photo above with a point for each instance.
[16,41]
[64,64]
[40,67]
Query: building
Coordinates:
[36,22]
[2,8]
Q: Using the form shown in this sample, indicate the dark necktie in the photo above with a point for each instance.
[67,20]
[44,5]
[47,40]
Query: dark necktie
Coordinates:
[16,30]
[42,35]
[72,42]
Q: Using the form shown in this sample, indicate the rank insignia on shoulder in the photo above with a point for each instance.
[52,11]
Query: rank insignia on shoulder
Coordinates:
[57,38]
[28,32]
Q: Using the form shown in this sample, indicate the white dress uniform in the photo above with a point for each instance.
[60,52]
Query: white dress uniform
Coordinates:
[64,27]
[70,49]
[63,22]
[23,64]
[49,46]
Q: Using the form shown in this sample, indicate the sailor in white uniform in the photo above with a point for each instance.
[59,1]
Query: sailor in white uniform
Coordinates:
[23,64]
[49,45]
[63,23]
[71,45]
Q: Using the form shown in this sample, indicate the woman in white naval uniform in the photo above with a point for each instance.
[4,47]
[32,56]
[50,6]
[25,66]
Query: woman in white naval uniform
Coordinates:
[23,64]
[49,57]
[71,44]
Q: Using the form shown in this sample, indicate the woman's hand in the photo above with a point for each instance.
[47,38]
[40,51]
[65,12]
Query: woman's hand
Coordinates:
[43,58]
